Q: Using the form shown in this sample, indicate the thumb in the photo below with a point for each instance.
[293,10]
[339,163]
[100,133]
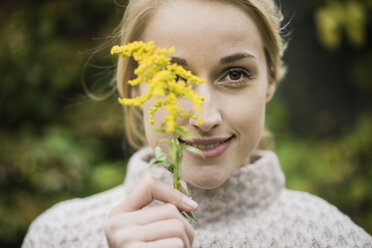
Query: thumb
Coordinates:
[152,189]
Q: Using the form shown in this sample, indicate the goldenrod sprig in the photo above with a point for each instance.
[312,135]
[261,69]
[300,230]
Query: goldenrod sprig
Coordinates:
[156,70]
[167,83]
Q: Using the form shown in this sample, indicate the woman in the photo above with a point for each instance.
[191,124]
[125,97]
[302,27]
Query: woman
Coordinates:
[238,191]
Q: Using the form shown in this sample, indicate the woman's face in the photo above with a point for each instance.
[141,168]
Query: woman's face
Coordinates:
[221,44]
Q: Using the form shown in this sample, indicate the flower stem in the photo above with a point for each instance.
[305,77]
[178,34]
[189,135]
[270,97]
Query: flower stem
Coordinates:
[176,163]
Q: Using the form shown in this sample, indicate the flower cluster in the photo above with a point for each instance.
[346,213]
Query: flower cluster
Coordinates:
[167,83]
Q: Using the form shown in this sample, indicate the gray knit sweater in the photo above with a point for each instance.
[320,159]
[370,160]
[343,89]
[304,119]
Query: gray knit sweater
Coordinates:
[251,209]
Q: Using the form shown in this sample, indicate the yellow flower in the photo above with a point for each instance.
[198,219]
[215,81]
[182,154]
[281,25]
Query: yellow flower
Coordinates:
[155,69]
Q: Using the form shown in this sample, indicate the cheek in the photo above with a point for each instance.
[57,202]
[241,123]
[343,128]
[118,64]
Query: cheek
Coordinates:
[246,115]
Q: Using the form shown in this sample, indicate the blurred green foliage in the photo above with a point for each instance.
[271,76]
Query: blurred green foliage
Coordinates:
[337,16]
[56,143]
[336,169]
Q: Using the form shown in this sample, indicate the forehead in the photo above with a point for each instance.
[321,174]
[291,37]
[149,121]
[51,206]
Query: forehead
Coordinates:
[216,24]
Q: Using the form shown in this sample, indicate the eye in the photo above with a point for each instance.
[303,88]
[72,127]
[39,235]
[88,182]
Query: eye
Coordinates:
[235,77]
[179,78]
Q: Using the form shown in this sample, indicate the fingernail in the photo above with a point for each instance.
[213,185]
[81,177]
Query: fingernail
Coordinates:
[188,202]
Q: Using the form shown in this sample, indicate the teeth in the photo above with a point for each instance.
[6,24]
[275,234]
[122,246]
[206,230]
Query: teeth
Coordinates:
[201,146]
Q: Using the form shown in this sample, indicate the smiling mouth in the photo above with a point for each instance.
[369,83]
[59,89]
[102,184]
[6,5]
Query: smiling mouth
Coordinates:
[206,144]
[211,147]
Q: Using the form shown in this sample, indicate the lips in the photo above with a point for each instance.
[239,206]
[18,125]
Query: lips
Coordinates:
[211,147]
[204,146]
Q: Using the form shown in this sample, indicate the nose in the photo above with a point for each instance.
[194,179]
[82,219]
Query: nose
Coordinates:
[210,111]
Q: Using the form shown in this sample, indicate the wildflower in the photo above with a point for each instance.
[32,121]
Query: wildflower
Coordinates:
[155,69]
[166,83]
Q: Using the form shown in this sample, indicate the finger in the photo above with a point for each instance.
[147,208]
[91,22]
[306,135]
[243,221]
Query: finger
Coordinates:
[150,189]
[163,243]
[150,215]
[165,229]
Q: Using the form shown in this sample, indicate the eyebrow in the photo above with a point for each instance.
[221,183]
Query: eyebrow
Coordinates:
[178,60]
[224,60]
[235,57]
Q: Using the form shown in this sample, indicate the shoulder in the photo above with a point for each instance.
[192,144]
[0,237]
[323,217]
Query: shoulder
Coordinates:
[323,222]
[68,223]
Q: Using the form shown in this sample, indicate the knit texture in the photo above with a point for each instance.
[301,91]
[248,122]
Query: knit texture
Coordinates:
[251,209]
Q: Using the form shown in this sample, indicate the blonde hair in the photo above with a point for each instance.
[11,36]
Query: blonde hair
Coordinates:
[268,18]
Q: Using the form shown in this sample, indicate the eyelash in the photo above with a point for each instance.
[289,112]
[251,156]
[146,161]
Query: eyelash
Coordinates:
[239,82]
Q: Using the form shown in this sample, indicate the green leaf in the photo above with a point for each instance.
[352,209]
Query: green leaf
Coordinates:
[160,155]
[158,151]
[159,130]
[181,188]
[193,132]
[165,141]
[176,141]
[179,154]
[179,171]
[190,216]
[153,162]
[171,168]
[182,133]
[179,160]
[161,159]
[166,164]
[194,150]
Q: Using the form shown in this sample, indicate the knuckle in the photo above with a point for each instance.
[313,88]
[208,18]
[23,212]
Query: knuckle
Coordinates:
[118,231]
[113,212]
[113,236]
[192,235]
[149,181]
[178,243]
[110,227]
[135,245]
[171,208]
[123,238]
[178,225]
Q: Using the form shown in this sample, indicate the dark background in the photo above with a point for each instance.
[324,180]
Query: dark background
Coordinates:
[56,143]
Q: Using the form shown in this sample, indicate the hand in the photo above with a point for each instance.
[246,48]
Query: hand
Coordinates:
[131,225]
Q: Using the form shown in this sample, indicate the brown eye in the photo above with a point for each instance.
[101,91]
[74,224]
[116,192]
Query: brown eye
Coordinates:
[235,75]
[235,78]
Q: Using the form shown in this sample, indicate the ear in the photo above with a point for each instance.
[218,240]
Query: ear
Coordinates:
[271,87]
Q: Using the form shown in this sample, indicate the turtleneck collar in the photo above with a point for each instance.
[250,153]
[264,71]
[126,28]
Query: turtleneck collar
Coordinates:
[254,186]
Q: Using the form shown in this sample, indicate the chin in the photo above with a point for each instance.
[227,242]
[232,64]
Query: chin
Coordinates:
[209,181]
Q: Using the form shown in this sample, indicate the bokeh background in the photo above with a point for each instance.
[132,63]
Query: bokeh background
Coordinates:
[57,143]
